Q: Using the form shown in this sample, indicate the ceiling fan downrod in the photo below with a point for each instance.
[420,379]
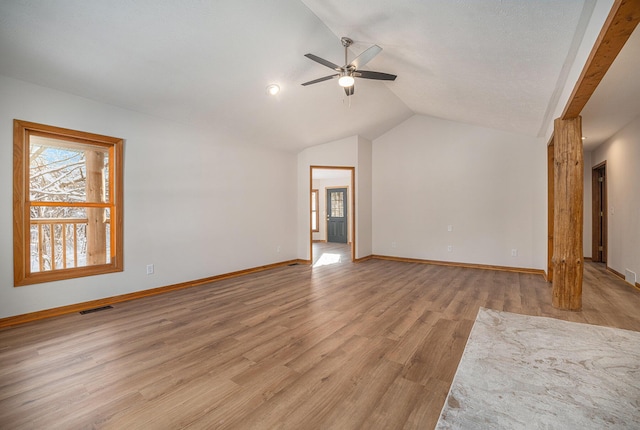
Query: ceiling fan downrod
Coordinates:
[346,42]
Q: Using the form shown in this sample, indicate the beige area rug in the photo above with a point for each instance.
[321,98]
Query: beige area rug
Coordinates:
[523,372]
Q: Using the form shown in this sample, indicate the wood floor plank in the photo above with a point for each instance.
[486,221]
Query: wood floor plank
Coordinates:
[426,411]
[438,356]
[352,345]
[395,406]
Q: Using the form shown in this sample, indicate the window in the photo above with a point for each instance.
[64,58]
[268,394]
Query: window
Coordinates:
[315,217]
[67,203]
[337,204]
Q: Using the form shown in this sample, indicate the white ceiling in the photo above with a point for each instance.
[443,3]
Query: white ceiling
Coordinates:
[496,63]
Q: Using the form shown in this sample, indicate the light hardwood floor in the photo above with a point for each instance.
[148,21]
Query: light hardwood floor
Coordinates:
[335,253]
[370,345]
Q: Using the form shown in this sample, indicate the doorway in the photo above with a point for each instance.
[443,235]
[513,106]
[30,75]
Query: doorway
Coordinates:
[335,185]
[599,213]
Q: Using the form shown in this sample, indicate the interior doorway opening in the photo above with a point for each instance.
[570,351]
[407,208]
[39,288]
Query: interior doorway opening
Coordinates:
[327,182]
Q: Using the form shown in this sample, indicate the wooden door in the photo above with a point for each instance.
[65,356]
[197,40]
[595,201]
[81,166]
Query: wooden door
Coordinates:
[337,215]
[599,213]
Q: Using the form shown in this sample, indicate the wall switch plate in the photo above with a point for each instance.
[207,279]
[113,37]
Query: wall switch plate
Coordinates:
[149,269]
[449,227]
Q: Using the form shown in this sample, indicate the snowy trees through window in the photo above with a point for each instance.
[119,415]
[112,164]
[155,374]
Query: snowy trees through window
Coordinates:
[67,203]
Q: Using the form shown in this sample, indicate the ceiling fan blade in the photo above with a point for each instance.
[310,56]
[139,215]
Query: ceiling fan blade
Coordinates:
[324,78]
[350,90]
[374,75]
[366,56]
[322,61]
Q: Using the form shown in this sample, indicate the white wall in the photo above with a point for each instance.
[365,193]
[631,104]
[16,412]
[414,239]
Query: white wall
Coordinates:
[489,185]
[622,154]
[194,206]
[364,178]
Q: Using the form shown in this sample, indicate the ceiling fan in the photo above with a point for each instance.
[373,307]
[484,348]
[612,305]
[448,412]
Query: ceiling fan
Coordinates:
[346,74]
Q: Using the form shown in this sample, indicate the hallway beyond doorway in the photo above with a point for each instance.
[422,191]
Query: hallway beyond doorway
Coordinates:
[326,253]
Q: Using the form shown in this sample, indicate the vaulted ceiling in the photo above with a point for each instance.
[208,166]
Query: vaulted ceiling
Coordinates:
[495,63]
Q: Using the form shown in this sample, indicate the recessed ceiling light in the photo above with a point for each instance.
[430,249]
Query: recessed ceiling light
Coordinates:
[273,89]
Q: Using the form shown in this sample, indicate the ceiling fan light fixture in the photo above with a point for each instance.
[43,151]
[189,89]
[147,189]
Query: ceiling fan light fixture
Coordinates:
[273,89]
[346,81]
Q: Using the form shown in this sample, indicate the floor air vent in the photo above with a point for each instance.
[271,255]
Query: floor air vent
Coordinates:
[90,311]
[630,276]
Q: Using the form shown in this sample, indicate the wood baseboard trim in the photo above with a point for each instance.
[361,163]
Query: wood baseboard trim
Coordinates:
[77,307]
[621,276]
[360,260]
[587,259]
[319,240]
[463,265]
[615,272]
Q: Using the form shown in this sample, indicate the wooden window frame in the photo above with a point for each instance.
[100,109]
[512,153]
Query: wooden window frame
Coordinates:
[22,204]
[317,211]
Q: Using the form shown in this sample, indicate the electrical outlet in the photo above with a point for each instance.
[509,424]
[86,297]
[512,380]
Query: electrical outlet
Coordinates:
[449,227]
[149,269]
[278,248]
[450,248]
[514,252]
[394,244]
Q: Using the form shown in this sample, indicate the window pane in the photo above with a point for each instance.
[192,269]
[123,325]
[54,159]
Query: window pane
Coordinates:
[337,204]
[64,171]
[66,237]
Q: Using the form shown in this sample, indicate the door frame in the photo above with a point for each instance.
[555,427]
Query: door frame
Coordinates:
[598,205]
[352,201]
[550,207]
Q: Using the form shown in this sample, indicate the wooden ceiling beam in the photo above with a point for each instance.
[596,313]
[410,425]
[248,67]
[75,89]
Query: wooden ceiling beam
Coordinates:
[622,20]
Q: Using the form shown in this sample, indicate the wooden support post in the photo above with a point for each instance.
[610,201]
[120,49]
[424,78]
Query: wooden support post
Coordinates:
[568,260]
[96,226]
